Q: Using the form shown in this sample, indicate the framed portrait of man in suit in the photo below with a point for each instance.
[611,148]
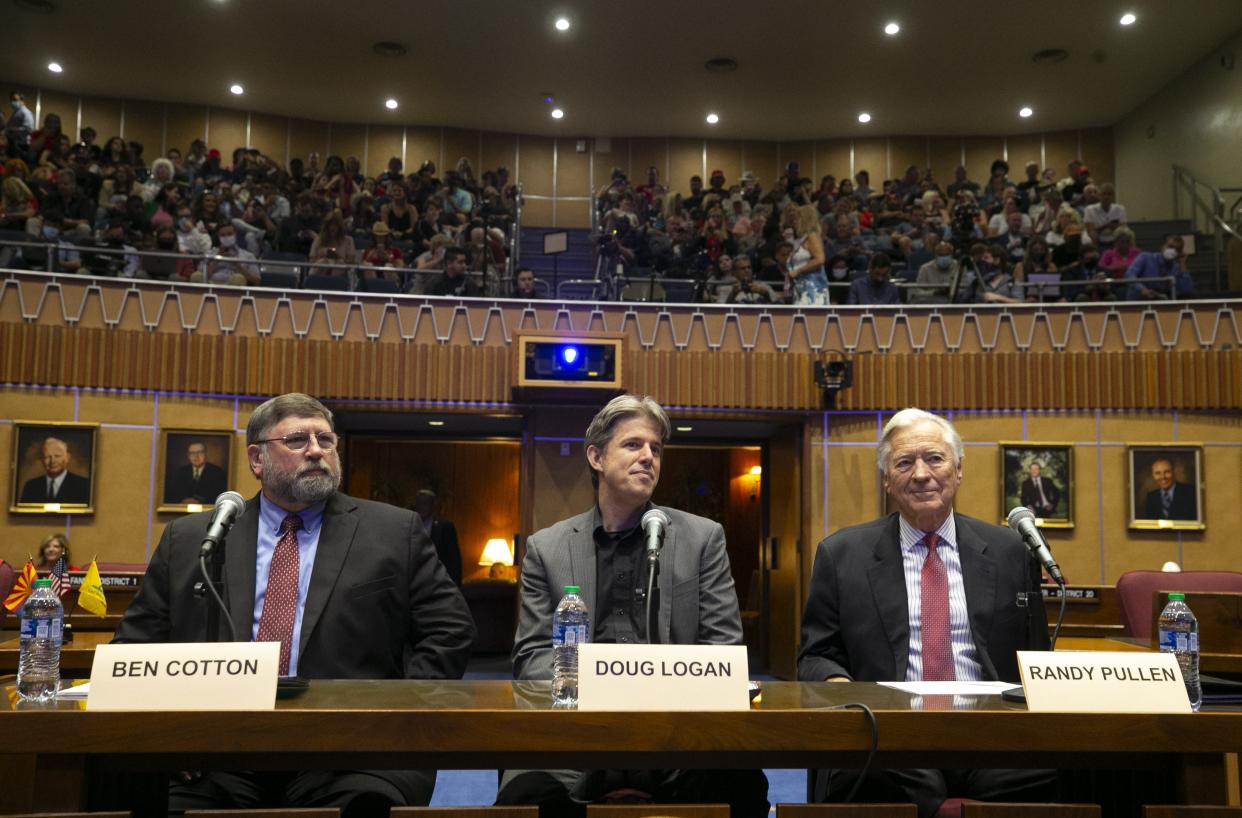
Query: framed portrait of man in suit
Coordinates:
[53,467]
[1039,476]
[194,468]
[1166,486]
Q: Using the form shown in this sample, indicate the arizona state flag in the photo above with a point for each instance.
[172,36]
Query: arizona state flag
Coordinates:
[91,593]
[21,587]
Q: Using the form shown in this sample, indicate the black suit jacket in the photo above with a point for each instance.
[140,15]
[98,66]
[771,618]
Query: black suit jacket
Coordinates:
[75,489]
[182,486]
[857,622]
[1030,496]
[1184,506]
[380,605]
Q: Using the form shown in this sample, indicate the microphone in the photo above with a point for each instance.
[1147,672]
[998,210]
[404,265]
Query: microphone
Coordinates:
[654,522]
[228,506]
[1022,520]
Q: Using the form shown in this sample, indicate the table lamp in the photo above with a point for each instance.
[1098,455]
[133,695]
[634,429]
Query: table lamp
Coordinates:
[498,557]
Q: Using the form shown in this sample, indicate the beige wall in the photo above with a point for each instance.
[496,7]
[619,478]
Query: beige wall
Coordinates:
[556,176]
[1194,121]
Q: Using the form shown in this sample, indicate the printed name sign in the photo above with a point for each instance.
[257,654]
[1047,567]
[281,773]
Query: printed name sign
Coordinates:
[663,677]
[185,676]
[1102,682]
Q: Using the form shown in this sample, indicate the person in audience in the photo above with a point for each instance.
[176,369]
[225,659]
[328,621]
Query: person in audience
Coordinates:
[161,267]
[57,484]
[125,263]
[433,258]
[455,281]
[230,264]
[18,204]
[1169,262]
[333,246]
[964,577]
[1036,259]
[457,201]
[191,238]
[303,538]
[428,227]
[1001,222]
[936,277]
[1104,218]
[115,155]
[524,284]
[839,274]
[1169,500]
[875,287]
[1044,213]
[1067,238]
[255,227]
[720,280]
[600,551]
[382,253]
[1028,188]
[19,126]
[335,184]
[1118,258]
[960,182]
[746,290]
[993,284]
[300,232]
[398,214]
[52,159]
[806,263]
[52,548]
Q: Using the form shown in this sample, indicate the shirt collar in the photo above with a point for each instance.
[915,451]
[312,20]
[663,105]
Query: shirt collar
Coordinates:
[911,536]
[271,516]
[597,522]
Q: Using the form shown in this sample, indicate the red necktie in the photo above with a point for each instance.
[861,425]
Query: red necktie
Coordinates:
[280,604]
[934,613]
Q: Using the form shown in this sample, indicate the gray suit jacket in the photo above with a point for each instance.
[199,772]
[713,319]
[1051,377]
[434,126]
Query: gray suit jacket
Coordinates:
[857,620]
[698,603]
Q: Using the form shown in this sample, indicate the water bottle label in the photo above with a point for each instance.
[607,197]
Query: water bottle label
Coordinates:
[1178,641]
[569,634]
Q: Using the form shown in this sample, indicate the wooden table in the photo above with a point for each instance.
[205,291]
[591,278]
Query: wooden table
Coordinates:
[1223,663]
[75,657]
[489,724]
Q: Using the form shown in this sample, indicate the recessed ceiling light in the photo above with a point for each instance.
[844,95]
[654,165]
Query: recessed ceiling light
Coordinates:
[712,119]
[236,89]
[1025,112]
[1127,19]
[685,428]
[562,24]
[390,104]
[435,423]
[891,29]
[557,113]
[54,67]
[864,117]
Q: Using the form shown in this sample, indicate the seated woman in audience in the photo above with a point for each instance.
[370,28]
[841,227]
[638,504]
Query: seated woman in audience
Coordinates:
[1036,259]
[255,228]
[333,245]
[398,214]
[52,159]
[163,172]
[207,213]
[18,204]
[993,197]
[1118,258]
[46,137]
[53,547]
[114,193]
[335,184]
[114,155]
[382,254]
[1044,212]
[167,200]
[1066,240]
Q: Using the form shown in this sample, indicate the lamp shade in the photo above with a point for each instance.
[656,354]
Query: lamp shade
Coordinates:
[496,551]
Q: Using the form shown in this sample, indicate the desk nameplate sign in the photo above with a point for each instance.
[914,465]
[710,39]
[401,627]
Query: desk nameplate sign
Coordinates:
[1102,682]
[663,677]
[185,676]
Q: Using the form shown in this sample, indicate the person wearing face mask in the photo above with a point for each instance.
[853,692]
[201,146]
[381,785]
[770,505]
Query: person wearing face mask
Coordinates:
[20,125]
[115,264]
[839,274]
[164,267]
[191,238]
[937,275]
[1170,261]
[875,287]
[231,264]
[1034,260]
[64,257]
[992,284]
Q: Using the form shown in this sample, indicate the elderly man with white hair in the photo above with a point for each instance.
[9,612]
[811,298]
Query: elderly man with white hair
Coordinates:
[924,594]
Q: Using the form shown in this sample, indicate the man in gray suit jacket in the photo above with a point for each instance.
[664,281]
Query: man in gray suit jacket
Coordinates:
[601,551]
[352,589]
[923,595]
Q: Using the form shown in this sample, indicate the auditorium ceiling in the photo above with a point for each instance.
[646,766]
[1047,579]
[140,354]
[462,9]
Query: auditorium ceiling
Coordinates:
[805,68]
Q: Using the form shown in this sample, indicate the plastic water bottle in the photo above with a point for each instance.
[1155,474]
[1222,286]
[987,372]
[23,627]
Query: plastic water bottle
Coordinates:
[571,627]
[43,621]
[1179,634]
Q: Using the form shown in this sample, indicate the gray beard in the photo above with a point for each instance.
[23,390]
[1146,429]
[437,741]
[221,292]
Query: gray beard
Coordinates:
[306,486]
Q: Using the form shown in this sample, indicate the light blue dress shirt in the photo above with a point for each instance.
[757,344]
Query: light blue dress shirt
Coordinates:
[966,665]
[270,518]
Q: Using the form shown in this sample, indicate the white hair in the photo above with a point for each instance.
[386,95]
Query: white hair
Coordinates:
[912,417]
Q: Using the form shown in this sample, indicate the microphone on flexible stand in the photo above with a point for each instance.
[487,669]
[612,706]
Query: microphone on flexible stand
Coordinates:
[654,523]
[229,507]
[1022,520]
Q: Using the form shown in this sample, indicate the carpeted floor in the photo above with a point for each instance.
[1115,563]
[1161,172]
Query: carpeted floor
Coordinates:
[478,787]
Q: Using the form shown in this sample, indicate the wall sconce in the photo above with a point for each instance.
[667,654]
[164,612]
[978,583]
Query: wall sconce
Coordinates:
[755,473]
[497,558]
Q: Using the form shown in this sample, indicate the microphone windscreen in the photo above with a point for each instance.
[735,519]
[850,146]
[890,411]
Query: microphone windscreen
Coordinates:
[231,498]
[1018,514]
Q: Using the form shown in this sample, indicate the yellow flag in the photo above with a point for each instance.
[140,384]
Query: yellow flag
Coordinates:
[91,593]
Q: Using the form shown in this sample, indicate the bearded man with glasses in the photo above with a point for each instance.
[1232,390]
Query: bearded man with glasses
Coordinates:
[352,589]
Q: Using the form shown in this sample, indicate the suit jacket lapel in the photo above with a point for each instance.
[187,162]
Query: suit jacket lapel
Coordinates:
[888,589]
[979,577]
[241,545]
[668,554]
[582,565]
[335,538]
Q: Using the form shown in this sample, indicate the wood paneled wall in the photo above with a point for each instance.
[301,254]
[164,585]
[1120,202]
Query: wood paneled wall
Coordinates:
[559,174]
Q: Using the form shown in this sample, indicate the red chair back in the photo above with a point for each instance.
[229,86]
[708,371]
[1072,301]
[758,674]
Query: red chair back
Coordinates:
[1135,589]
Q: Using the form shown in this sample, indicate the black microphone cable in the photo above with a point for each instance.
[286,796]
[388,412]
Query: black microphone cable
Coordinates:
[211,586]
[1056,631]
[871,753]
[652,627]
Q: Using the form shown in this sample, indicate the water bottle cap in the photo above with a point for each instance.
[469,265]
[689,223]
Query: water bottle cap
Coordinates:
[43,583]
[571,589]
[1176,596]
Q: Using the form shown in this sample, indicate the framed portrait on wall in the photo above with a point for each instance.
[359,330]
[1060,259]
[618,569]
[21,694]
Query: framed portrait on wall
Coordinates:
[1039,476]
[53,467]
[193,468]
[1166,486]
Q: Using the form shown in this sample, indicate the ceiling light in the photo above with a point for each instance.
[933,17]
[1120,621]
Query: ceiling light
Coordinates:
[390,104]
[891,29]
[1025,112]
[236,89]
[685,428]
[435,423]
[712,119]
[557,113]
[1127,19]
[562,24]
[54,67]
[864,117]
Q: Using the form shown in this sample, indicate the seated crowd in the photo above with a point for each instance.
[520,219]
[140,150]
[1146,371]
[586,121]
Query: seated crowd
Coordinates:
[223,222]
[908,241]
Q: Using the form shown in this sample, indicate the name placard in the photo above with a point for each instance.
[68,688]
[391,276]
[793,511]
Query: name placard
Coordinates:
[1102,682]
[185,676]
[663,677]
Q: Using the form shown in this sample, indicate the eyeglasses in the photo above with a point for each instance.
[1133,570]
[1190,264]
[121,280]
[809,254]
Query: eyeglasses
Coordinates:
[297,441]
